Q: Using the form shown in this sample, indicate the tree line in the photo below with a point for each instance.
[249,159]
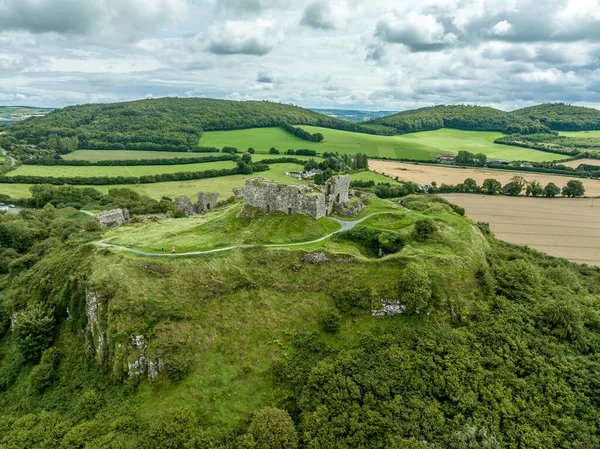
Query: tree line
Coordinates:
[563,117]
[299,132]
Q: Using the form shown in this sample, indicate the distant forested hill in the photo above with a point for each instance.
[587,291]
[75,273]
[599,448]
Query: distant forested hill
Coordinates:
[472,118]
[166,123]
[563,117]
[11,114]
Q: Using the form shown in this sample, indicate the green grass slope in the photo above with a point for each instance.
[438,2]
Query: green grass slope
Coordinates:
[563,117]
[415,146]
[471,118]
[496,346]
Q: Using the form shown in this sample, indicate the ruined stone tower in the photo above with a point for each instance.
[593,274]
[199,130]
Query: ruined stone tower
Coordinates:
[315,201]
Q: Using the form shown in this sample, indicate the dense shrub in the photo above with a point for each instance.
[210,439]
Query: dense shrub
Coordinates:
[332,321]
[173,429]
[351,300]
[176,368]
[376,241]
[272,428]
[414,288]
[34,330]
[424,228]
[89,405]
[43,374]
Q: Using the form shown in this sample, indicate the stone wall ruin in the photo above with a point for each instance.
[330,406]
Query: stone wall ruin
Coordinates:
[206,202]
[315,201]
[113,218]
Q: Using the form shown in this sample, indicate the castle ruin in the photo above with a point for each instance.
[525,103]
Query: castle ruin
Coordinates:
[315,201]
[206,202]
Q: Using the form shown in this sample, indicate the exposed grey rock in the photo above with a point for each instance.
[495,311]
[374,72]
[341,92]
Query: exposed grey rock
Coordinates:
[93,310]
[113,218]
[389,308]
[238,193]
[315,201]
[140,363]
[184,203]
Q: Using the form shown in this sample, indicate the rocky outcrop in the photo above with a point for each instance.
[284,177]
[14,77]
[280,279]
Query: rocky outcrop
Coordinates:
[113,218]
[96,325]
[139,363]
[238,193]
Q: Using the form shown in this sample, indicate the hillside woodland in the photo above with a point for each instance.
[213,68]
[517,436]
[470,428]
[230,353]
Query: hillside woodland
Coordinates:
[168,124]
[563,117]
[414,330]
[471,118]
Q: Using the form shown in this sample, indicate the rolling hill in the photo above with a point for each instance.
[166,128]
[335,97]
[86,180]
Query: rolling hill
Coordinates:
[563,117]
[469,118]
[173,124]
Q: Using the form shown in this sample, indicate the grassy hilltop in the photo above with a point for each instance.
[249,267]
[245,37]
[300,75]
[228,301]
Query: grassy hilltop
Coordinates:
[495,346]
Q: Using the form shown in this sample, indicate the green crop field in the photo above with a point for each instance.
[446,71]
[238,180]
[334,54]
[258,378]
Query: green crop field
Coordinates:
[124,155]
[115,171]
[418,146]
[580,134]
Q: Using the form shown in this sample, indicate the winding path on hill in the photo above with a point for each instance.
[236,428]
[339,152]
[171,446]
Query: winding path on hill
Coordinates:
[345,226]
[13,161]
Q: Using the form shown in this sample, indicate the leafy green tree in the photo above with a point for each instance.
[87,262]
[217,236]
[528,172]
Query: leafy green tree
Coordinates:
[251,150]
[472,437]
[470,185]
[89,405]
[34,330]
[274,150]
[551,190]
[247,158]
[482,159]
[574,188]
[491,186]
[534,188]
[272,428]
[513,188]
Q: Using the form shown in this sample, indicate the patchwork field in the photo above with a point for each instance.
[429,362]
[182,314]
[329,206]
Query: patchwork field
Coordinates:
[223,185]
[426,174]
[419,146]
[125,155]
[561,227]
[116,171]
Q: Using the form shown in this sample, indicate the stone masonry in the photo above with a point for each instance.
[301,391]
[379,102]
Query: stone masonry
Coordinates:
[113,218]
[315,201]
[206,201]
[184,203]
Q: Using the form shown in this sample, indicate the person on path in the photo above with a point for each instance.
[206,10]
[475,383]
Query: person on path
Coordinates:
[163,250]
[173,250]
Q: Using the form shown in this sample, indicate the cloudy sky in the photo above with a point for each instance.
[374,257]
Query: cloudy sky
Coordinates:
[367,54]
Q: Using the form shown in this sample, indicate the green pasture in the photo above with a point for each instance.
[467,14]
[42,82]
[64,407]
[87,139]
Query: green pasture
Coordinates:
[116,171]
[125,155]
[223,184]
[580,134]
[417,146]
[221,229]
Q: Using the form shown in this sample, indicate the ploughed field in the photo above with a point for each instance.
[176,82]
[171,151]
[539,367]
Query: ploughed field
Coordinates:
[416,146]
[560,227]
[443,174]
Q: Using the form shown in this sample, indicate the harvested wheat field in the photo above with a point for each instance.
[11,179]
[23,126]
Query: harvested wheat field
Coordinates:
[561,227]
[426,174]
[577,162]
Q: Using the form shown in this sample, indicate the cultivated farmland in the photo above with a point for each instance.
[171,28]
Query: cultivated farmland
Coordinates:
[223,184]
[561,227]
[116,171]
[426,174]
[577,162]
[418,146]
